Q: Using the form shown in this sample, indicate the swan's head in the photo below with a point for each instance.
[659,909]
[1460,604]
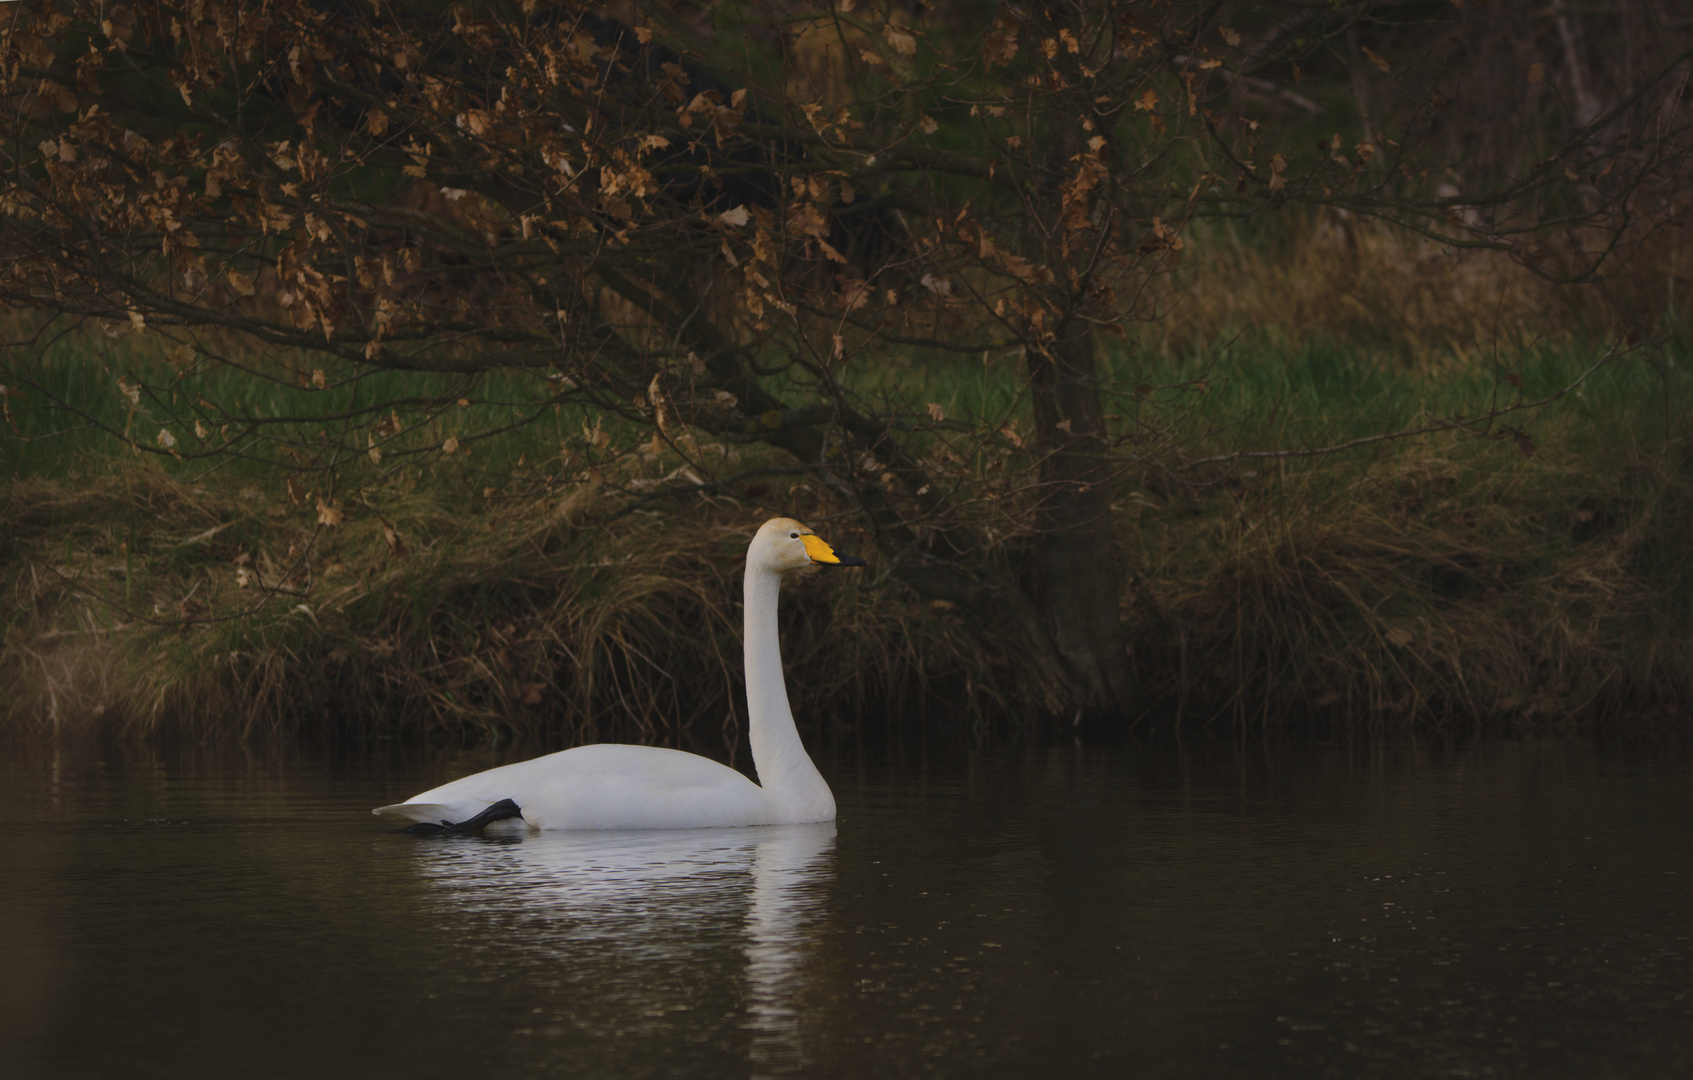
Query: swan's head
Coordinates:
[783,544]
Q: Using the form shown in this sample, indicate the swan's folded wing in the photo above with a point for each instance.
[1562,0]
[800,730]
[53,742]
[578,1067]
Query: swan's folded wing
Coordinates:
[433,813]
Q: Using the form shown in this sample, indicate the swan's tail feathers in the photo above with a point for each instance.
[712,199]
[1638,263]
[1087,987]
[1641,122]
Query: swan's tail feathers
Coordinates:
[418,811]
[501,810]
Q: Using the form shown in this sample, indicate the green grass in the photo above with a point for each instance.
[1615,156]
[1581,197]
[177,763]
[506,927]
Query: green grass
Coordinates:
[75,403]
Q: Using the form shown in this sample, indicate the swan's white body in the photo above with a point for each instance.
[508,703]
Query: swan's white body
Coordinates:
[613,786]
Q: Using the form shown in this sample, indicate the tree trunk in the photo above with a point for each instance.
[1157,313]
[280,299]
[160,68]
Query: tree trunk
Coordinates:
[1077,579]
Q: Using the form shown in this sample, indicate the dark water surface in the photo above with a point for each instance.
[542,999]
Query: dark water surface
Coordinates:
[1495,910]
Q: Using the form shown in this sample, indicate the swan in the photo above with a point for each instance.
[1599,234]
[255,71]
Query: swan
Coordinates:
[613,786]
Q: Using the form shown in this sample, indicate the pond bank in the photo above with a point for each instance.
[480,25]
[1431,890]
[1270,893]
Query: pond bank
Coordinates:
[1525,579]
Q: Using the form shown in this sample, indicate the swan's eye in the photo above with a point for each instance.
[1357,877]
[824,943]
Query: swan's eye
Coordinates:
[793,536]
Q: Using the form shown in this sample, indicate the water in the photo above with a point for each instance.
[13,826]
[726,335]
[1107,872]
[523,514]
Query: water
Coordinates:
[1497,910]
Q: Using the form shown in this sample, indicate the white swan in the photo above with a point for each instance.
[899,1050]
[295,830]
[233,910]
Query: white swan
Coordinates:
[612,786]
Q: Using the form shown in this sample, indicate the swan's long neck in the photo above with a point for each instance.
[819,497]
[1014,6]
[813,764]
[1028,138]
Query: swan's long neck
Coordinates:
[784,768]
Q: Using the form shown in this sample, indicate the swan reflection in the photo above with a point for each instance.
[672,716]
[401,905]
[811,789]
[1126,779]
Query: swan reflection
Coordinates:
[646,932]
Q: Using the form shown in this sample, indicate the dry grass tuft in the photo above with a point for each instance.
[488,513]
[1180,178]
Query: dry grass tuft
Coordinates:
[1483,592]
[510,623]
[1333,277]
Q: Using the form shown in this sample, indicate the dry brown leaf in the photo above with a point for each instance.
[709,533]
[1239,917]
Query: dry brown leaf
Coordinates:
[901,42]
[1000,46]
[396,543]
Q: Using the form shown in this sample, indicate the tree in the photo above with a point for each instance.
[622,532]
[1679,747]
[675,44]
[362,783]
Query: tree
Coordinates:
[729,221]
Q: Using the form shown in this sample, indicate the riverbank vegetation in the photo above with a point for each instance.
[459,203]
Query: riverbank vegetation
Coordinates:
[1532,582]
[400,393]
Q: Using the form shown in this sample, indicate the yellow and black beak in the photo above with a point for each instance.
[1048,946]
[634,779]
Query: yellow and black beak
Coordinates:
[824,554]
